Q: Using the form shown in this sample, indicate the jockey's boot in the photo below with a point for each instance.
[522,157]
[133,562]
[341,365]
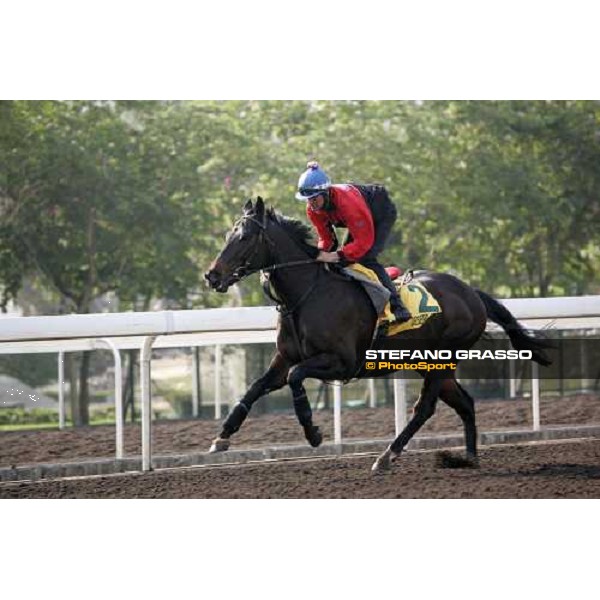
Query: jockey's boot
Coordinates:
[399,311]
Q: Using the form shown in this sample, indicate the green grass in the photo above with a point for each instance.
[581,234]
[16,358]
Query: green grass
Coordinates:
[19,419]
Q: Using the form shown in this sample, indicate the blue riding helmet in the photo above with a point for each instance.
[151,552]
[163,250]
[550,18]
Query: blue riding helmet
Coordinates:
[312,182]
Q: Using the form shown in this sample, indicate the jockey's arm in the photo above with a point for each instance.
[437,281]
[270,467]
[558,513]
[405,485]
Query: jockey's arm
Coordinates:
[325,231]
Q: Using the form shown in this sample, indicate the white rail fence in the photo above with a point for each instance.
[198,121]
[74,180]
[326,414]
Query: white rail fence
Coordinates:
[218,327]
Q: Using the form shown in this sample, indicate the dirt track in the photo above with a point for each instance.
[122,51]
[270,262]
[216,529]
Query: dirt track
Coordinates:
[548,470]
[26,447]
[544,470]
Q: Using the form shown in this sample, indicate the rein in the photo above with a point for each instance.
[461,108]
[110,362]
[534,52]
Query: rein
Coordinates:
[293,263]
[280,305]
[286,312]
[244,271]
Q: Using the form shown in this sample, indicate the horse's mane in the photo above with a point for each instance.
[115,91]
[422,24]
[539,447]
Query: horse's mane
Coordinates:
[298,231]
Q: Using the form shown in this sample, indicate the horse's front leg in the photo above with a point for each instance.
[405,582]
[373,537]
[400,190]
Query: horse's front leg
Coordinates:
[324,367]
[274,378]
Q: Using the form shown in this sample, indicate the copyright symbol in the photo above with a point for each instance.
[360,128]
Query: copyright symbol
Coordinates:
[370,365]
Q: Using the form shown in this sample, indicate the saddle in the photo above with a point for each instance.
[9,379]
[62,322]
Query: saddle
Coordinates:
[418,300]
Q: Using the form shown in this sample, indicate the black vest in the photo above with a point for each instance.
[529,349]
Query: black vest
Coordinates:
[377,199]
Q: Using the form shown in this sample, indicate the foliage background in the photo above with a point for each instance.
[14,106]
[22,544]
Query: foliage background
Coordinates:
[134,198]
[122,205]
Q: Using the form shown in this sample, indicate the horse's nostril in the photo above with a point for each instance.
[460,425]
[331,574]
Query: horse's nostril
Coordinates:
[210,277]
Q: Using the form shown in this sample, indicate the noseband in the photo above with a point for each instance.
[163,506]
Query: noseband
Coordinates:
[246,268]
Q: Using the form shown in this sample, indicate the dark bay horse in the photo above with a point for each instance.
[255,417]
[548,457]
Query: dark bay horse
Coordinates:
[327,323]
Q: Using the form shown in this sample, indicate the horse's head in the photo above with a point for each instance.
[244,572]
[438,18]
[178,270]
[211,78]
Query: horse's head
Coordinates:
[245,248]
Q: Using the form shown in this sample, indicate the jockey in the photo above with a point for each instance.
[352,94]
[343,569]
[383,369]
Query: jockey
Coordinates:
[369,222]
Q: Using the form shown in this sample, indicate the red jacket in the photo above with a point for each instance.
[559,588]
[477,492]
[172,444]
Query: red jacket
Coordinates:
[348,209]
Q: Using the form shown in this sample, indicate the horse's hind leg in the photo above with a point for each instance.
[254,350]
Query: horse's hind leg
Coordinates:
[423,410]
[455,396]
[274,378]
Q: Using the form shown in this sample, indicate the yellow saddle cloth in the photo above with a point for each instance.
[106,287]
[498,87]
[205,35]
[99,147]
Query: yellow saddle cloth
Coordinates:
[420,303]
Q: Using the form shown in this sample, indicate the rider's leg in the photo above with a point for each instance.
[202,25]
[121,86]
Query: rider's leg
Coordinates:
[398,309]
[384,222]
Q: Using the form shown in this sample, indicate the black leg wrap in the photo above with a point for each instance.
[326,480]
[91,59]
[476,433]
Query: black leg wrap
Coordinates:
[235,419]
[313,435]
[304,414]
[303,410]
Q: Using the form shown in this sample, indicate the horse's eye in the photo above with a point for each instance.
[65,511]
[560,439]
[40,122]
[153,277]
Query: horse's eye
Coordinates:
[231,233]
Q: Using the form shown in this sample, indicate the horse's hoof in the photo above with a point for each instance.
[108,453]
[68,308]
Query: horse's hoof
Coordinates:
[313,435]
[219,445]
[473,461]
[448,460]
[383,462]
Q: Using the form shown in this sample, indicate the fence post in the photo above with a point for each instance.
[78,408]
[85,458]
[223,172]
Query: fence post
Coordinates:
[218,381]
[535,395]
[61,390]
[400,403]
[119,418]
[195,382]
[337,413]
[372,393]
[512,374]
[146,385]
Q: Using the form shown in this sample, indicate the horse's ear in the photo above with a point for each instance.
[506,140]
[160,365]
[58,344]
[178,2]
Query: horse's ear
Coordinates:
[248,206]
[259,207]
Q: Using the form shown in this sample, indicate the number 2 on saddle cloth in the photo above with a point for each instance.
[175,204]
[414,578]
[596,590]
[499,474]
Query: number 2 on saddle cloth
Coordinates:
[419,302]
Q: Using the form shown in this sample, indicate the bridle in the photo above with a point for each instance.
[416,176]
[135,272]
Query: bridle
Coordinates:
[246,269]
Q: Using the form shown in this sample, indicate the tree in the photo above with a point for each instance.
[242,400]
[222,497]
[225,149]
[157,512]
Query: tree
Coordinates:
[81,209]
[134,198]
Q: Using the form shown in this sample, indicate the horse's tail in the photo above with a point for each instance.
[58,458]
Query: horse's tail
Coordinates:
[520,339]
